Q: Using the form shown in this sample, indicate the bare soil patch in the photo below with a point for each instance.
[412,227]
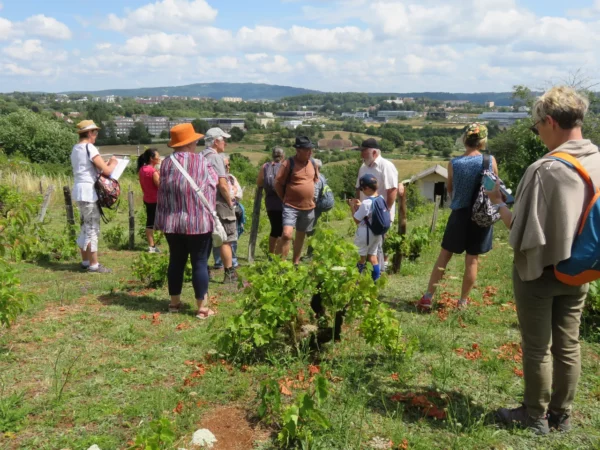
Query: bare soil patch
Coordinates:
[233,430]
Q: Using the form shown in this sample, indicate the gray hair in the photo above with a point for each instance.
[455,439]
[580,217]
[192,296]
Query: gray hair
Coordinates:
[564,104]
[210,141]
[278,154]
[318,163]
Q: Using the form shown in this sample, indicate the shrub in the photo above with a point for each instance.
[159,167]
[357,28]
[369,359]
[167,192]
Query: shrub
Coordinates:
[12,300]
[115,237]
[36,136]
[151,269]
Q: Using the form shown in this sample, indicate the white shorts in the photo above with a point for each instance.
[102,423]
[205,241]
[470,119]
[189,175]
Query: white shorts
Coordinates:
[360,240]
[90,226]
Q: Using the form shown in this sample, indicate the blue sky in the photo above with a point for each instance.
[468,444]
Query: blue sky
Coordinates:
[330,45]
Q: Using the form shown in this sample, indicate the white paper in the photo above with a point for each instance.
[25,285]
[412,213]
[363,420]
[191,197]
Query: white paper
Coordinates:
[122,164]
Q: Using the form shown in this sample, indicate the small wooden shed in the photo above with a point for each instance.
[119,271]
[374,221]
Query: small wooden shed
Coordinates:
[432,182]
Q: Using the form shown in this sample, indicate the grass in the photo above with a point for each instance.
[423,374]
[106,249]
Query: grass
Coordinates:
[407,167]
[86,364]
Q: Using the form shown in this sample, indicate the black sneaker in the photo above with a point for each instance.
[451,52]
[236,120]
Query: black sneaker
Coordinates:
[99,269]
[518,416]
[231,276]
[560,422]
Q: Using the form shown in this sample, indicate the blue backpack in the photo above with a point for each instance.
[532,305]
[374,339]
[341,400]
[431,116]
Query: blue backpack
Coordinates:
[584,264]
[380,220]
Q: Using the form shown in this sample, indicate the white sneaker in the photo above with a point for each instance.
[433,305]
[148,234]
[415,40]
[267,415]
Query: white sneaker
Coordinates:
[153,250]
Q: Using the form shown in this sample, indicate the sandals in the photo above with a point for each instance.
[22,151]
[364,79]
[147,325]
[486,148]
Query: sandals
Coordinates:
[203,315]
[175,308]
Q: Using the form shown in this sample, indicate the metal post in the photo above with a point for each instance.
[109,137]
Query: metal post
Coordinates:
[131,220]
[436,208]
[69,208]
[255,222]
[45,203]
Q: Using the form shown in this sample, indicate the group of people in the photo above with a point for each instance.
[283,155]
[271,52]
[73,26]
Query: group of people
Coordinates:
[295,186]
[549,205]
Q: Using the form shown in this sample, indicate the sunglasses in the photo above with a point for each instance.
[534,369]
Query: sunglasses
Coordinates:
[533,128]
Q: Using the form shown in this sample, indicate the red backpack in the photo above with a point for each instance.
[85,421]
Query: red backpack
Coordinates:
[584,264]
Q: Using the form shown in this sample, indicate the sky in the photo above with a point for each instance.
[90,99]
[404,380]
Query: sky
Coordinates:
[328,45]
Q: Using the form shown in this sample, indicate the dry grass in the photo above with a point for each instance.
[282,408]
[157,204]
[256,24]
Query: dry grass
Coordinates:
[346,135]
[408,167]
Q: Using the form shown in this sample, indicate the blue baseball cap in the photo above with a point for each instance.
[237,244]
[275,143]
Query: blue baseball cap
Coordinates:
[368,180]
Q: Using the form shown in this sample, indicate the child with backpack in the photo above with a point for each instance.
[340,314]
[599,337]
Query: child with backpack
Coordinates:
[373,219]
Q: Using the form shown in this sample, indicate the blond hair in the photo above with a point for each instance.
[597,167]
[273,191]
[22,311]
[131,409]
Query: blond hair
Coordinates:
[564,104]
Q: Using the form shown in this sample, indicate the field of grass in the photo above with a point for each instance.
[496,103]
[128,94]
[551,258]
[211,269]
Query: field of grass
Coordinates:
[346,134]
[96,358]
[407,167]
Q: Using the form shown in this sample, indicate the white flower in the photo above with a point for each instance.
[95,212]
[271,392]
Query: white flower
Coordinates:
[204,438]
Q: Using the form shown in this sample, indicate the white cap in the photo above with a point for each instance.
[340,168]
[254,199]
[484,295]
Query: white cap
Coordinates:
[215,133]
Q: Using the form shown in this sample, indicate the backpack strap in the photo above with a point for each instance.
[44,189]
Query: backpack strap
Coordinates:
[574,163]
[486,162]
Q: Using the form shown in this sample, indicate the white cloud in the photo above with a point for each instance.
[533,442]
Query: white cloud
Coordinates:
[46,27]
[6,29]
[24,50]
[165,15]
[280,64]
[160,44]
[256,56]
[103,45]
[226,62]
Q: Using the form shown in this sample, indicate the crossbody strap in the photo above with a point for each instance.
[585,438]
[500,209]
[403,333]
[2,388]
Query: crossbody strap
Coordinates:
[193,184]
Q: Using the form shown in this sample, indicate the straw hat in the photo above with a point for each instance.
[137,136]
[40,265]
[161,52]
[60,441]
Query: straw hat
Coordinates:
[183,134]
[86,125]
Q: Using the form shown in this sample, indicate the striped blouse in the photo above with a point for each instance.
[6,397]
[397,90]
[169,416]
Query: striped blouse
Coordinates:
[179,209]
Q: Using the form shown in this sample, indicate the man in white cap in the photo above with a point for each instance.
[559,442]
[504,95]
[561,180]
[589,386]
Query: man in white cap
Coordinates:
[215,146]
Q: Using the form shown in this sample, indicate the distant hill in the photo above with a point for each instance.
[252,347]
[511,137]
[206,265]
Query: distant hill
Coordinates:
[247,91]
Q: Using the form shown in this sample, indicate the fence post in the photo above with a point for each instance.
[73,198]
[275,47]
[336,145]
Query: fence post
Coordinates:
[436,208]
[45,203]
[131,220]
[69,208]
[41,187]
[255,222]
[397,260]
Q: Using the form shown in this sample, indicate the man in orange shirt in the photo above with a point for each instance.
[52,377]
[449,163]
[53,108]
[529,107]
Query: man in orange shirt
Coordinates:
[295,185]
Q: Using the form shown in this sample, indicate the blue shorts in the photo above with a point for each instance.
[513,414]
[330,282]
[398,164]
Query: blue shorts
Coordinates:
[464,235]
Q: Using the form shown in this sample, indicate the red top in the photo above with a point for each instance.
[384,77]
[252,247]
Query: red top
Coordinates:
[148,187]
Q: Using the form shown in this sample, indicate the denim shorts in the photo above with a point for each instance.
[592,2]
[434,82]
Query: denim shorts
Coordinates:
[301,220]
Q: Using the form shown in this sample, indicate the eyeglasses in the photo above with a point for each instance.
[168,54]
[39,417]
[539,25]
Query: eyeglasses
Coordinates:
[533,128]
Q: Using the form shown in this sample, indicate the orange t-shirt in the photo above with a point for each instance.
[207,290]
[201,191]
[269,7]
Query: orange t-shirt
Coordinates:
[300,189]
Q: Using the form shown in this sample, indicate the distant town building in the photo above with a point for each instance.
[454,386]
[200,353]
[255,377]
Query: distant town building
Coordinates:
[226,124]
[489,104]
[395,102]
[265,114]
[504,119]
[291,124]
[232,99]
[524,109]
[109,99]
[264,121]
[396,114]
[295,113]
[357,115]
[432,182]
[456,102]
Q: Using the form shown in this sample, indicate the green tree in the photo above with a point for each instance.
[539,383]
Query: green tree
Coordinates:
[201,126]
[337,136]
[139,134]
[372,131]
[236,134]
[393,135]
[386,146]
[39,138]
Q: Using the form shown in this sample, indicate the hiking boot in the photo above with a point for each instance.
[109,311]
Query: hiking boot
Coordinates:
[231,276]
[425,304]
[518,416]
[560,422]
[99,269]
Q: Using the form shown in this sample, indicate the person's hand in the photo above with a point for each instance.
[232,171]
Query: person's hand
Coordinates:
[401,189]
[495,195]
[112,161]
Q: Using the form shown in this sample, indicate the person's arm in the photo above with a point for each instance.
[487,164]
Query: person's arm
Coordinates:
[494,166]
[224,190]
[105,169]
[281,179]
[239,192]
[391,197]
[497,198]
[449,183]
[261,177]
[359,211]
[156,178]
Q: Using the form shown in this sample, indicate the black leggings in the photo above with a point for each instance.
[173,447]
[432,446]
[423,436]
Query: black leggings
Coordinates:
[198,247]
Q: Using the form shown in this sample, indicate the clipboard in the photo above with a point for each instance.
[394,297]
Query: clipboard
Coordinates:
[122,164]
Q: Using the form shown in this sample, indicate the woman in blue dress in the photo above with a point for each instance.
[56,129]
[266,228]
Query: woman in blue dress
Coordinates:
[462,234]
